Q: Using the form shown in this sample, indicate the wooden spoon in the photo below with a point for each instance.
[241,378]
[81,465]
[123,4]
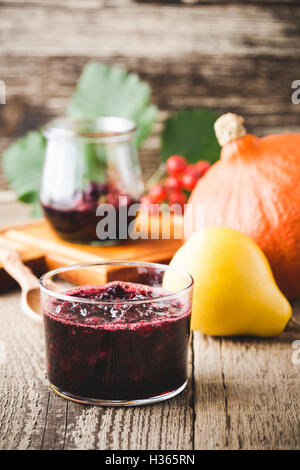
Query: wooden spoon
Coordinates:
[29,283]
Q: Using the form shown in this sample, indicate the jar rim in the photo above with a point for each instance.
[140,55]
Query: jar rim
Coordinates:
[103,129]
[74,298]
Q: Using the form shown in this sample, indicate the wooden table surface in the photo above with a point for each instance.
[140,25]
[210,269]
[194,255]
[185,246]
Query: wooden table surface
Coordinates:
[242,394]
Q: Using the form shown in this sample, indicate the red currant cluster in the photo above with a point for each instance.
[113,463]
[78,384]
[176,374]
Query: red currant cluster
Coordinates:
[175,189]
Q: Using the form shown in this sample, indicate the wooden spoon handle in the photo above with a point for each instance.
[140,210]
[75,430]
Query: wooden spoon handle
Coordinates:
[13,264]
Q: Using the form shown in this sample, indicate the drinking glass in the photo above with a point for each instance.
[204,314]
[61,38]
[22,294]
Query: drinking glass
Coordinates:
[115,335]
[91,178]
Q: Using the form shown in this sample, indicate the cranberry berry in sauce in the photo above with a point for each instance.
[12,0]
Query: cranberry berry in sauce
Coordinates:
[128,343]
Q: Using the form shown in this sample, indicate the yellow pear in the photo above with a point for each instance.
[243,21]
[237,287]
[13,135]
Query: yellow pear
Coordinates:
[234,289]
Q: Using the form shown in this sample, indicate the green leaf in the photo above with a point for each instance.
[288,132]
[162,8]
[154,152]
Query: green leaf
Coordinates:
[36,209]
[191,133]
[94,161]
[22,165]
[103,90]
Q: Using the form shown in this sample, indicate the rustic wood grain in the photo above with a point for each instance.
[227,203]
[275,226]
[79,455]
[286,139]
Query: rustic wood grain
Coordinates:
[233,56]
[246,393]
[146,30]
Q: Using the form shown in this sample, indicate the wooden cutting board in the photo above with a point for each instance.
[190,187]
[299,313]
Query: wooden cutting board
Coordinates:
[41,249]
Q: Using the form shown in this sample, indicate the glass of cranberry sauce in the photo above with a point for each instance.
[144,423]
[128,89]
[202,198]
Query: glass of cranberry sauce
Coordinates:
[91,182]
[114,334]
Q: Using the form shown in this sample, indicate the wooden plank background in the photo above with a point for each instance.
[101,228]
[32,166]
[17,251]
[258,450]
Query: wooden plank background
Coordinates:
[237,56]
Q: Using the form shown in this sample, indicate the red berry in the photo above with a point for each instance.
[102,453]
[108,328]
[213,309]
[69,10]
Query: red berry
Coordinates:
[172,183]
[192,169]
[189,180]
[178,198]
[157,194]
[202,166]
[176,164]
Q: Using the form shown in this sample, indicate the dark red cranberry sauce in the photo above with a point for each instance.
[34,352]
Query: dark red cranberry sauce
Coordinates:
[117,350]
[78,222]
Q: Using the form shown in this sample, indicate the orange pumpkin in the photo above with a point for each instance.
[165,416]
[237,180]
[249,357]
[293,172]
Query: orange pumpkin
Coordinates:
[255,188]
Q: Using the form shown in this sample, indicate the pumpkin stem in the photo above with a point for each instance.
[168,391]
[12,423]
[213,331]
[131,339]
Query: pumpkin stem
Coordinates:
[229,127]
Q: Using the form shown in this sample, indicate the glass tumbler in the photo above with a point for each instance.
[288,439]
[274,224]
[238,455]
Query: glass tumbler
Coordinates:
[117,333]
[91,178]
